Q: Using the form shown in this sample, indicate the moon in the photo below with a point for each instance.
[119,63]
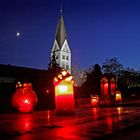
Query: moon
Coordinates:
[17,34]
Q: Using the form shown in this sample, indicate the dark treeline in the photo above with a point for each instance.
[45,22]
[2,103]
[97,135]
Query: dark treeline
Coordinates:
[127,80]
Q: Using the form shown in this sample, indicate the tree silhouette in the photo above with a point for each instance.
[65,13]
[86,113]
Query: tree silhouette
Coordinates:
[53,64]
[53,71]
[92,83]
[97,74]
[53,67]
[112,66]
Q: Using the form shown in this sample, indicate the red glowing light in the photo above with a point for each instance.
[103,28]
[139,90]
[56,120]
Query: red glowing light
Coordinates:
[106,85]
[94,100]
[109,122]
[112,85]
[24,99]
[113,88]
[106,88]
[64,96]
[47,91]
[118,96]
[62,88]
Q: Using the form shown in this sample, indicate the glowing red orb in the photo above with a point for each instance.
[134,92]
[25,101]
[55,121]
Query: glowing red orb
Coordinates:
[24,99]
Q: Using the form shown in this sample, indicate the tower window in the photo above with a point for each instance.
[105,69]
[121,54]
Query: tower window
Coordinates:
[67,58]
[56,57]
[63,56]
[67,66]
[63,65]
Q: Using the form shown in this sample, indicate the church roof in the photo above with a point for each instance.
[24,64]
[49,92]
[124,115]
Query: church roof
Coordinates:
[61,32]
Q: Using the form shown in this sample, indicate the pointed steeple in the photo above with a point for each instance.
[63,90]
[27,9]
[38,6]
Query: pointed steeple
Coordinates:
[61,46]
[61,31]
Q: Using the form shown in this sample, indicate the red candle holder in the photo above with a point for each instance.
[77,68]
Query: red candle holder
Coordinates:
[24,99]
[94,100]
[118,96]
[64,95]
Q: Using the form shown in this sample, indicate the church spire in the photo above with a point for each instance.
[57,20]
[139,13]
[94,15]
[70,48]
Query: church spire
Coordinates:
[61,46]
[61,31]
[61,8]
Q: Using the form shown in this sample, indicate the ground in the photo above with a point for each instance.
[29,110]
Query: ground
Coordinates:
[111,123]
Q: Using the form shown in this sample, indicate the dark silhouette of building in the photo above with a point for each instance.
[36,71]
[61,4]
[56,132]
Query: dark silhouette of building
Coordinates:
[10,75]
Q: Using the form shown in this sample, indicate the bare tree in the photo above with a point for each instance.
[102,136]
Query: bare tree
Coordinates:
[112,66]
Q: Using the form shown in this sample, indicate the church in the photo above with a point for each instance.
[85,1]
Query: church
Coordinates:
[61,48]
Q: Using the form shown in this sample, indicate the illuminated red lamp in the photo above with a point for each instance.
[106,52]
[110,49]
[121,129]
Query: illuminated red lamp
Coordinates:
[118,96]
[104,86]
[94,100]
[64,95]
[113,86]
[24,99]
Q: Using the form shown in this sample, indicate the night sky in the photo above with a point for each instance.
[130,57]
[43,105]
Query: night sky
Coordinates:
[96,30]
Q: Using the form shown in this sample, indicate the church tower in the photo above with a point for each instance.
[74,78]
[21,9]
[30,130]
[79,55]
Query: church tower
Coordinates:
[60,47]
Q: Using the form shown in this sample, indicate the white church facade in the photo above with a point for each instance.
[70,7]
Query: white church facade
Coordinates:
[61,48]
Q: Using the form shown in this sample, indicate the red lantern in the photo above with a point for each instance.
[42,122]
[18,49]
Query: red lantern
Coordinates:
[104,86]
[24,99]
[112,86]
[94,100]
[118,96]
[64,95]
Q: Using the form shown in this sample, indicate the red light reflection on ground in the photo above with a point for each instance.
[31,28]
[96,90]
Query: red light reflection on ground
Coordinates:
[27,124]
[119,109]
[24,123]
[66,133]
[109,120]
[48,115]
[94,111]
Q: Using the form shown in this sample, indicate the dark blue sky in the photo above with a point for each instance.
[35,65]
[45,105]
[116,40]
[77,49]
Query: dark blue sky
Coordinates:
[96,29]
